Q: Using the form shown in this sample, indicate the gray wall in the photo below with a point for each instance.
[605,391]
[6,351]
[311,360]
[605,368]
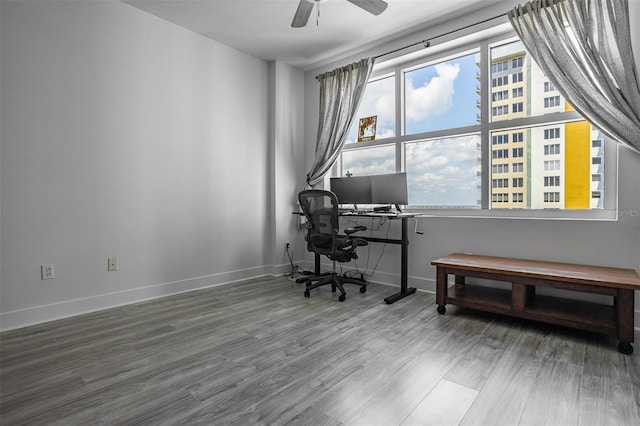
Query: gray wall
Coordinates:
[124,135]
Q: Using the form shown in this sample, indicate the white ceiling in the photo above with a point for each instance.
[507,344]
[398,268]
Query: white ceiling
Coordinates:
[262,28]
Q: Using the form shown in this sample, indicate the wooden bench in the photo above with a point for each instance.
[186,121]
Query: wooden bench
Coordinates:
[521,300]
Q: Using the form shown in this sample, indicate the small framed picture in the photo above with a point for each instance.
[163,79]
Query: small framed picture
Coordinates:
[367,128]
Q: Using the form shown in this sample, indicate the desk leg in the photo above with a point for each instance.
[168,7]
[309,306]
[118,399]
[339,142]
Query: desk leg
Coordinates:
[404,267]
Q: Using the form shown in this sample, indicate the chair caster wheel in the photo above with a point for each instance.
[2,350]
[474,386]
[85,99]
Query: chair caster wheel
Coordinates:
[363,289]
[441,309]
[306,293]
[333,288]
[342,297]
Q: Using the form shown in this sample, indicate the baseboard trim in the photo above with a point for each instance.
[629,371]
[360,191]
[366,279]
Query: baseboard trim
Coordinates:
[56,311]
[69,308]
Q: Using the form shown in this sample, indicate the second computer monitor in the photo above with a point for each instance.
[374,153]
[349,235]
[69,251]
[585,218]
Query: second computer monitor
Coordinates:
[389,189]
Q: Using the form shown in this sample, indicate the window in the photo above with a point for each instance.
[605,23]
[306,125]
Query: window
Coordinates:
[369,161]
[500,153]
[551,165]
[500,81]
[500,110]
[500,183]
[516,77]
[552,149]
[481,124]
[500,96]
[551,197]
[500,168]
[500,197]
[499,139]
[552,101]
[552,181]
[552,133]
[378,100]
[500,66]
[444,172]
[548,86]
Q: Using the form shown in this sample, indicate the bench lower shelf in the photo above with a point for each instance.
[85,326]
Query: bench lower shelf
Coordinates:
[577,314]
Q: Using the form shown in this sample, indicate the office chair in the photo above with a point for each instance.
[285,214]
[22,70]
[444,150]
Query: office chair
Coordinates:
[321,210]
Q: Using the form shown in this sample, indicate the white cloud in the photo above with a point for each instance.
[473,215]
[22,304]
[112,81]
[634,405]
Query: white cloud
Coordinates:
[435,97]
[444,172]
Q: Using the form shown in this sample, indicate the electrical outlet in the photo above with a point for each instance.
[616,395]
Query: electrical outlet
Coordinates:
[46,271]
[112,264]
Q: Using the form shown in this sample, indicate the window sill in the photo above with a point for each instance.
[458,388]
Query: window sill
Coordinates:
[589,215]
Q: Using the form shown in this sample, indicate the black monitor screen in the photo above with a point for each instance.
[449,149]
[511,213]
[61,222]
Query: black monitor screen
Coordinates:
[352,190]
[389,189]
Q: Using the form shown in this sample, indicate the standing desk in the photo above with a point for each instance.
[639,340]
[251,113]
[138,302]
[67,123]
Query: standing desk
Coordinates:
[404,246]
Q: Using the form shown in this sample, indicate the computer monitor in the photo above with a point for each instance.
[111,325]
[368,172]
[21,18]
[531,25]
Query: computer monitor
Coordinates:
[389,189]
[352,190]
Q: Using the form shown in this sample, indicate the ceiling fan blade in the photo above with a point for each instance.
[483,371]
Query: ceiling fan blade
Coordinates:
[303,12]
[375,7]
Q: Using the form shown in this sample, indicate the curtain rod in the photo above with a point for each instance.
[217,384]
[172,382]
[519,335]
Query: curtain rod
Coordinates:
[427,42]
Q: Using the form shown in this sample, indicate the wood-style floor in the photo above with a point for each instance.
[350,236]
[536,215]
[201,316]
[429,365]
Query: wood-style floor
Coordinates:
[258,352]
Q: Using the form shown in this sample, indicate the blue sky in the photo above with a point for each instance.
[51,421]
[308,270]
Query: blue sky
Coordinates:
[440,96]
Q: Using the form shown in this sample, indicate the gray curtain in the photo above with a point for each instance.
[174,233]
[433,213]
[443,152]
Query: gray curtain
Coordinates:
[341,91]
[584,48]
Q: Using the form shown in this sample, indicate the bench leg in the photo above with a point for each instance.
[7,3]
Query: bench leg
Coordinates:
[518,297]
[441,289]
[625,320]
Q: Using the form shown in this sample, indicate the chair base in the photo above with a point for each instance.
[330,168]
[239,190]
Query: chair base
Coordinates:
[336,281]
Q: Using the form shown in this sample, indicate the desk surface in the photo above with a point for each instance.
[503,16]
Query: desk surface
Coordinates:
[390,215]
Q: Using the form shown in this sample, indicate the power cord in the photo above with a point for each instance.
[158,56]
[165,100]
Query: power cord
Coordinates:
[294,268]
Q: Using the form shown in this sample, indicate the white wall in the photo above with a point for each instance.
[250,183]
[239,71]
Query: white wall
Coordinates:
[286,158]
[614,243]
[124,135]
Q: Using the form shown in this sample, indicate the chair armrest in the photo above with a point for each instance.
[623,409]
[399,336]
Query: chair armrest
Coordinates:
[354,229]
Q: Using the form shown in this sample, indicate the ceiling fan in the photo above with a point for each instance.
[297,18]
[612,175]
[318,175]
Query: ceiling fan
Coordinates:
[305,7]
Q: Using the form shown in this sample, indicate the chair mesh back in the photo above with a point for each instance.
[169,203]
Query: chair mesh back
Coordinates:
[321,210]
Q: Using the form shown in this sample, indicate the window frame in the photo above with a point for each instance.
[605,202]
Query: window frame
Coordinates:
[485,128]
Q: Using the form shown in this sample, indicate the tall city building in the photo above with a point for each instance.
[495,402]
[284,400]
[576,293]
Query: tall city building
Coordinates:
[557,166]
